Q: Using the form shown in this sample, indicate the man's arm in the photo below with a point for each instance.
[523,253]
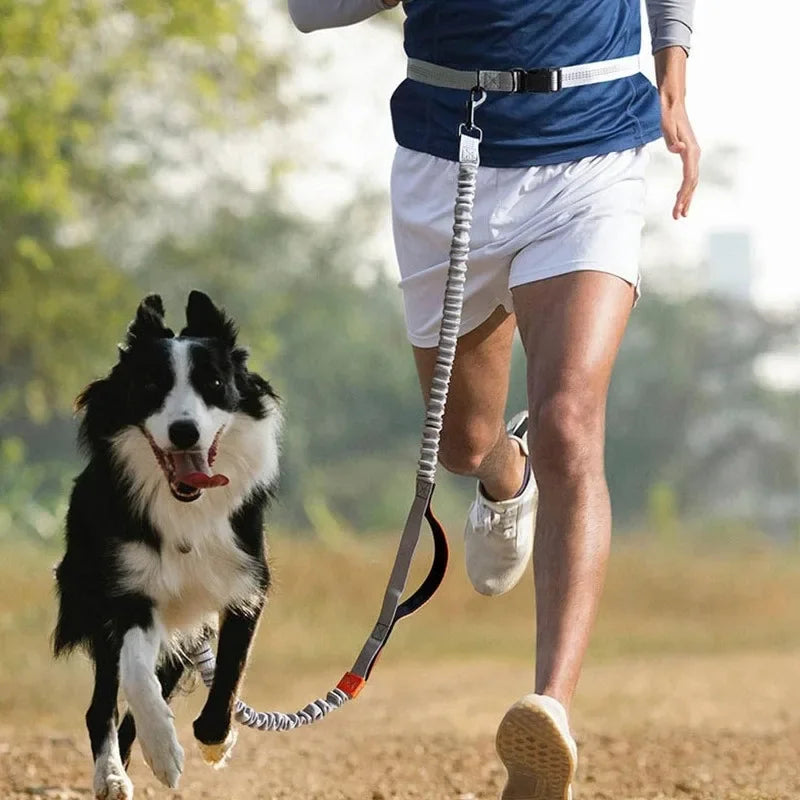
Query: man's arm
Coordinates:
[313,15]
[671,31]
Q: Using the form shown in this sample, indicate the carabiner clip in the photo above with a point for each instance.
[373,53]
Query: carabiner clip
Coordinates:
[477,97]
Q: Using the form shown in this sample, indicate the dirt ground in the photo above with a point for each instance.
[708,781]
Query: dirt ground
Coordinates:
[723,727]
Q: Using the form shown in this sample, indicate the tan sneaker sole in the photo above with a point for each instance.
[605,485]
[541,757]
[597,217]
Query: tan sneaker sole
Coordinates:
[538,758]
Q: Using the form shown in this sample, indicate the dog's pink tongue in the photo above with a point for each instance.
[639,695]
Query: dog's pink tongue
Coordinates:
[193,470]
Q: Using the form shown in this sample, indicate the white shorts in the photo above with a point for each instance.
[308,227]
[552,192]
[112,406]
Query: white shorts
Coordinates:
[529,223]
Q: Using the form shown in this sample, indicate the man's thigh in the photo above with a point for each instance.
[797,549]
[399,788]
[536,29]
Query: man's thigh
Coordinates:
[571,327]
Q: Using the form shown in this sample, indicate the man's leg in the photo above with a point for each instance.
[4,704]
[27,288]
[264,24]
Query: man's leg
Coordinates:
[498,535]
[571,327]
[474,440]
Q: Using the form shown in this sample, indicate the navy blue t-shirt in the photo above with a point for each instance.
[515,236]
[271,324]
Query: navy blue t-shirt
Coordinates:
[526,129]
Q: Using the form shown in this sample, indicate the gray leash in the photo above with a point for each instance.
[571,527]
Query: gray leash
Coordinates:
[392,609]
[205,662]
[478,82]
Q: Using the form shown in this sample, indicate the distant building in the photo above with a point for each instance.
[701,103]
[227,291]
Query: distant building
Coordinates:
[730,264]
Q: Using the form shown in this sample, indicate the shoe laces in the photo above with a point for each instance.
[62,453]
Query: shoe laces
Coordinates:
[492,522]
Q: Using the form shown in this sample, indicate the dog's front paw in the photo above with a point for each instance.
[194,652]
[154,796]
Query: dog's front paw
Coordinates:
[217,755]
[215,737]
[111,782]
[161,749]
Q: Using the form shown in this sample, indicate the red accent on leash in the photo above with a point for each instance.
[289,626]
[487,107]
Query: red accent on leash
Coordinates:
[351,684]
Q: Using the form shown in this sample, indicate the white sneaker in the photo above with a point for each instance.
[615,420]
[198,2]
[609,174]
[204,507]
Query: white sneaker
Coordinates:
[498,539]
[537,750]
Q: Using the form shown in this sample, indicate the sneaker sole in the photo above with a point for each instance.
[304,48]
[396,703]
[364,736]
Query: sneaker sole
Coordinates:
[538,759]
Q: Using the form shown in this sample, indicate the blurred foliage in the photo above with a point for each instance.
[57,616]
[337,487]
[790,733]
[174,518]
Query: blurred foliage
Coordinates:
[105,108]
[690,425]
[97,97]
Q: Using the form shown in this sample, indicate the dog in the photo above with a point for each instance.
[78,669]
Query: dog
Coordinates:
[164,535]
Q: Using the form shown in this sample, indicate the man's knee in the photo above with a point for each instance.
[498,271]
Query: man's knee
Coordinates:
[464,448]
[566,437]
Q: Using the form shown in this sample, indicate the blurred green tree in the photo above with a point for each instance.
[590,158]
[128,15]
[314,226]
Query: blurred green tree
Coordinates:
[101,103]
[96,99]
[690,414]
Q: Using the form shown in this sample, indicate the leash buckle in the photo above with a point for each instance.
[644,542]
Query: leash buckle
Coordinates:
[538,81]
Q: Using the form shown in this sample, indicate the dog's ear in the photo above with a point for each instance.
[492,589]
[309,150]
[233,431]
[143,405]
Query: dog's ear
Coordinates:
[91,393]
[149,322]
[205,321]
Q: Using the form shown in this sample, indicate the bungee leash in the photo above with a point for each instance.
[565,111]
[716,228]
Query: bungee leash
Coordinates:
[478,82]
[393,610]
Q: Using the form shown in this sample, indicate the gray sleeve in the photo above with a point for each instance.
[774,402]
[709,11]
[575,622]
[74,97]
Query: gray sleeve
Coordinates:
[670,23]
[313,15]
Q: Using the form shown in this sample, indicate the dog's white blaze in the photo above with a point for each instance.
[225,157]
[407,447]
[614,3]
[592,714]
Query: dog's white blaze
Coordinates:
[188,587]
[184,403]
[153,717]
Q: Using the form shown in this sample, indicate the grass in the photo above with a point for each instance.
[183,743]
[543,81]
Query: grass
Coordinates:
[659,600]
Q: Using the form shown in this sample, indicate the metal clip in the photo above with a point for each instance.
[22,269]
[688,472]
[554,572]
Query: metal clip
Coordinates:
[477,97]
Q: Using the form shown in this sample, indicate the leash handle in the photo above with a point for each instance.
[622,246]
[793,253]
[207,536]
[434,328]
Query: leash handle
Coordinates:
[392,610]
[352,682]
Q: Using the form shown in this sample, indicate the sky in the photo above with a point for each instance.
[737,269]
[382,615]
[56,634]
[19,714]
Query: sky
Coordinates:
[741,92]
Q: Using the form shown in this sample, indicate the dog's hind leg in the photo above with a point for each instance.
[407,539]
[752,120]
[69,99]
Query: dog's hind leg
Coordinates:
[168,674]
[212,728]
[152,715]
[110,779]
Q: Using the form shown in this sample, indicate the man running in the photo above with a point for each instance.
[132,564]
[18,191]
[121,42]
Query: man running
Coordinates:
[555,249]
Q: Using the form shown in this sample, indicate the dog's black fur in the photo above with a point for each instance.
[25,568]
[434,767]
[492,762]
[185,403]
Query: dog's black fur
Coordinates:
[145,552]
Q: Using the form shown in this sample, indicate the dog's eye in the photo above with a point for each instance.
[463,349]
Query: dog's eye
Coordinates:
[215,383]
[150,387]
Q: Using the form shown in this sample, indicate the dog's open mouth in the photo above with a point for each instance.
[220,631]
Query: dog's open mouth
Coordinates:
[188,472]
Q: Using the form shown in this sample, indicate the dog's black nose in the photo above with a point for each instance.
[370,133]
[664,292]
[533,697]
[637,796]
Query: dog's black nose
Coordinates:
[184,434]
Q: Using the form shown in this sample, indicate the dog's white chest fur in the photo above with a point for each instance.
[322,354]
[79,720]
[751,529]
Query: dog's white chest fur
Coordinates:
[187,588]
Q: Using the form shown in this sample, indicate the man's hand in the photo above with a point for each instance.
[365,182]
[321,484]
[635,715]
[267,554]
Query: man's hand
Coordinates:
[678,133]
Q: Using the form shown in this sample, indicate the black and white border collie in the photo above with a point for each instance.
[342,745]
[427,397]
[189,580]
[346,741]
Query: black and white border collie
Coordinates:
[164,534]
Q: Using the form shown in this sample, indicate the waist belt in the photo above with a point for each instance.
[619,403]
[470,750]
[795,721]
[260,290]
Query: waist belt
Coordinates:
[519,81]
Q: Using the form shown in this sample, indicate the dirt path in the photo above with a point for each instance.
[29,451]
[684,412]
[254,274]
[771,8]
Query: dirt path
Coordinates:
[721,728]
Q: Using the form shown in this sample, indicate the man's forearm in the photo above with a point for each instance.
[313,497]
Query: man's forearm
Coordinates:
[312,15]
[678,133]
[670,23]
[671,74]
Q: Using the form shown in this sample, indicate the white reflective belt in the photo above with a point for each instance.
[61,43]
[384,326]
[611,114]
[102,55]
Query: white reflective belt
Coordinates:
[523,80]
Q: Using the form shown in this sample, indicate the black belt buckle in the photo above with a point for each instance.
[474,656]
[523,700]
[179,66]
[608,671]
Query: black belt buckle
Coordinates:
[539,81]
